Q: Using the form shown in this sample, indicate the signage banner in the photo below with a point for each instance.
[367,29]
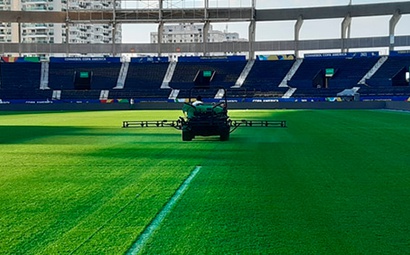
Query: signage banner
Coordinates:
[150,60]
[343,55]
[275,57]
[211,59]
[20,59]
[85,60]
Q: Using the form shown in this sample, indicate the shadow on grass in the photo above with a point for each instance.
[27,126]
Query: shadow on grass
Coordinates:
[20,134]
[16,134]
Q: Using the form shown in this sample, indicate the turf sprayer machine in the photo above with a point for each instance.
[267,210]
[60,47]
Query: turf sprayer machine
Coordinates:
[205,119]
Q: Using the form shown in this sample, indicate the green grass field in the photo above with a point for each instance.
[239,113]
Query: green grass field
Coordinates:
[332,182]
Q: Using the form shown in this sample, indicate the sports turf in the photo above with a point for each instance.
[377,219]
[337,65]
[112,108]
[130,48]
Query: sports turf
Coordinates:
[332,182]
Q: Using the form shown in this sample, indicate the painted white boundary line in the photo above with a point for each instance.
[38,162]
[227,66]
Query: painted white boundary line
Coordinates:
[156,222]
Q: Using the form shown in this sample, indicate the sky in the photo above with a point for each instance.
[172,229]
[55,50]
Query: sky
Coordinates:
[273,31]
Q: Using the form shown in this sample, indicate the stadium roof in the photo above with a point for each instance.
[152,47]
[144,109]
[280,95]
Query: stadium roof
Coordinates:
[200,14]
[334,11]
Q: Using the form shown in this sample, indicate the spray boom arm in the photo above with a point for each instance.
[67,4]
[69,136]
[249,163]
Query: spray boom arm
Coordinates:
[177,124]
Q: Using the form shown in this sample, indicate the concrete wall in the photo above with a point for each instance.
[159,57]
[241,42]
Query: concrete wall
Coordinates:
[309,105]
[405,106]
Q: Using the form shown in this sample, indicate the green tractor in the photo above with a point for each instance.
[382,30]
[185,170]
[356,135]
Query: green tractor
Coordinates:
[205,120]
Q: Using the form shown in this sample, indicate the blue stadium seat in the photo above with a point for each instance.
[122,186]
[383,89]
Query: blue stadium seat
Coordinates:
[267,75]
[383,76]
[226,73]
[145,76]
[104,75]
[20,80]
[348,71]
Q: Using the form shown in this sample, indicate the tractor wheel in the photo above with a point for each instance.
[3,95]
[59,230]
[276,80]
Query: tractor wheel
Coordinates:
[186,135]
[224,136]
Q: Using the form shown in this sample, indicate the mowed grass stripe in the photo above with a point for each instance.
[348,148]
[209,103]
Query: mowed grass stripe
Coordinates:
[156,222]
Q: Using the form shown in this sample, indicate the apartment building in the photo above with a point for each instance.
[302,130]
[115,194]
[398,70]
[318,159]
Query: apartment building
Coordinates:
[8,30]
[56,33]
[193,33]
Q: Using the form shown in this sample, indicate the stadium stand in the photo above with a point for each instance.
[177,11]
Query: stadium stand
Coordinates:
[20,80]
[348,72]
[145,76]
[265,77]
[389,80]
[226,73]
[310,79]
[104,75]
[386,73]
[143,80]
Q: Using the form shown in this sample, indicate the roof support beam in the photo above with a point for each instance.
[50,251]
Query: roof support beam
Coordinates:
[206,7]
[346,27]
[160,38]
[252,38]
[298,27]
[160,28]
[207,25]
[67,38]
[114,30]
[393,23]
[252,32]
[205,36]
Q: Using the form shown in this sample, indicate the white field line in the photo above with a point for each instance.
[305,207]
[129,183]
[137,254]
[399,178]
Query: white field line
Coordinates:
[156,222]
